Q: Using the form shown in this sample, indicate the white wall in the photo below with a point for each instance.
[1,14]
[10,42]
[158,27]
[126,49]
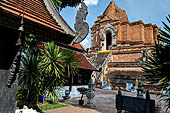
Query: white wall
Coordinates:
[74,93]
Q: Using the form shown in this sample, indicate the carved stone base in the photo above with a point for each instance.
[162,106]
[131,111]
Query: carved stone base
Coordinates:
[90,105]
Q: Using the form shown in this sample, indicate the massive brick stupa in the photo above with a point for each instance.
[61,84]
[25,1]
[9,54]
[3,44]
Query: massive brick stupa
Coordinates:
[117,45]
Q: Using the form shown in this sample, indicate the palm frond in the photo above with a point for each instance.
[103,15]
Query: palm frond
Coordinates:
[158,64]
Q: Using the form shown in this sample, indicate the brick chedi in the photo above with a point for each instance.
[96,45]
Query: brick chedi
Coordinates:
[113,12]
[127,42]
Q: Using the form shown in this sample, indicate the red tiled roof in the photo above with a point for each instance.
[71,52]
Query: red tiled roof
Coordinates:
[78,46]
[34,10]
[84,63]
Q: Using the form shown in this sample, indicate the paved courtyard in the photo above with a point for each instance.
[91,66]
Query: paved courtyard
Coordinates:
[104,101]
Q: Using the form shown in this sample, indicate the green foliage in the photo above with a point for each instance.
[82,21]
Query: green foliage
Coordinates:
[20,94]
[70,62]
[63,3]
[42,71]
[165,35]
[52,59]
[128,112]
[52,68]
[52,97]
[29,70]
[158,64]
[70,65]
[28,76]
[30,45]
[52,106]
[45,107]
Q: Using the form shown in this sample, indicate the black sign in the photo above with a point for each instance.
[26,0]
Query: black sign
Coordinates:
[134,104]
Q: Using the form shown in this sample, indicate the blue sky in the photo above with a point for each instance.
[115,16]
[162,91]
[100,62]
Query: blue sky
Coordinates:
[149,11]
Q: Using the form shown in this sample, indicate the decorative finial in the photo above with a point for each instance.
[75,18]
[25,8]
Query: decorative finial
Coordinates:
[81,27]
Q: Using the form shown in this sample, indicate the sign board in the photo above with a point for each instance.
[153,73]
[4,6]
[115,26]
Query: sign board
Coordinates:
[129,86]
[134,104]
[104,83]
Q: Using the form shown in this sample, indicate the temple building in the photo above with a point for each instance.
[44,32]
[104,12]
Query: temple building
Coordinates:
[19,18]
[117,45]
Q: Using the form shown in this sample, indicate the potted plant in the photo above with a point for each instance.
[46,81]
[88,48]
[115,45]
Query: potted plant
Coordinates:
[82,91]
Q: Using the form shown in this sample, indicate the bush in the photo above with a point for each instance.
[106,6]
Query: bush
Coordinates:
[128,112]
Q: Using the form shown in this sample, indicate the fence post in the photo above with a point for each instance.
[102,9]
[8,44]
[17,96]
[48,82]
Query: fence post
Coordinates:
[119,102]
[140,89]
[147,103]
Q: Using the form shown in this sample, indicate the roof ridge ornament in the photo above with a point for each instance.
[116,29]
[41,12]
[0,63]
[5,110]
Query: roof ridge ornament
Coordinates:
[21,28]
[81,27]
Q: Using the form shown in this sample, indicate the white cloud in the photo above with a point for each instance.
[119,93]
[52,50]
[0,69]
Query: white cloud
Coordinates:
[85,43]
[91,2]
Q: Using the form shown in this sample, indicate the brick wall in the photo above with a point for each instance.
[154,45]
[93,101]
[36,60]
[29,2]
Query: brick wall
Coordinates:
[7,95]
[129,33]
[130,57]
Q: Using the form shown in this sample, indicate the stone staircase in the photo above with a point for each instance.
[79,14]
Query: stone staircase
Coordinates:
[100,61]
[123,64]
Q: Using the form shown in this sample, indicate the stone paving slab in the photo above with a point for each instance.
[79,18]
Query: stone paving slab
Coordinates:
[72,109]
[104,101]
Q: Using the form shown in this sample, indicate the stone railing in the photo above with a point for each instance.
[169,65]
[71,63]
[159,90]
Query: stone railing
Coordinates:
[102,67]
[105,63]
[93,59]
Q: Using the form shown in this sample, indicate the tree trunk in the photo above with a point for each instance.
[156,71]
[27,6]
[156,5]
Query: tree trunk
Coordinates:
[71,82]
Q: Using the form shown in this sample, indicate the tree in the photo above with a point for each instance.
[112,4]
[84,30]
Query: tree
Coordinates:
[52,69]
[57,65]
[70,65]
[42,69]
[63,3]
[165,35]
[30,45]
[158,64]
[45,69]
[29,76]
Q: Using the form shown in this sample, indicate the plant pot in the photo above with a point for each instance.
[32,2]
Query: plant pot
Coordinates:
[67,92]
[81,102]
[41,99]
